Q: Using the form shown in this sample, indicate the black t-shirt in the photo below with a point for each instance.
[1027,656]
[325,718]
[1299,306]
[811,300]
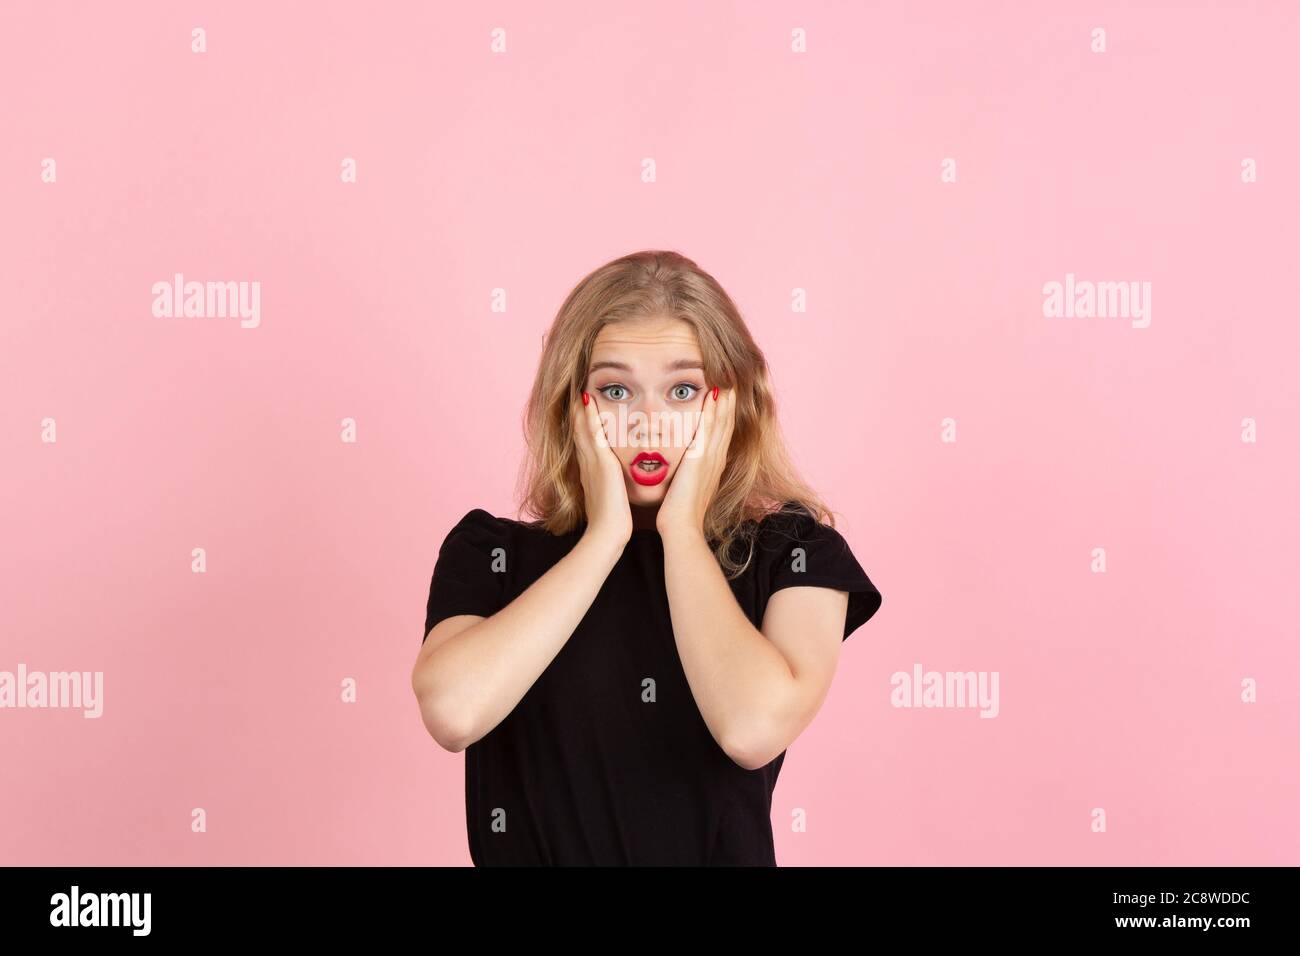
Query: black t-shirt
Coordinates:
[588,769]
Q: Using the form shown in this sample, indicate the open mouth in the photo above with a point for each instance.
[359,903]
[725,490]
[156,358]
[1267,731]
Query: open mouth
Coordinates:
[648,468]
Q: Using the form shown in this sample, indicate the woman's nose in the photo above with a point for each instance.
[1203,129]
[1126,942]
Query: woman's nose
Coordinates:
[653,412]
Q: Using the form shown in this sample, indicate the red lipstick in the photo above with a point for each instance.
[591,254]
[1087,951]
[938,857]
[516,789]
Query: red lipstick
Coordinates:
[649,475]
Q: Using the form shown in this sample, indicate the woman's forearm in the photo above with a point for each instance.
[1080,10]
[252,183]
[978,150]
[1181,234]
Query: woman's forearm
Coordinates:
[741,683]
[476,677]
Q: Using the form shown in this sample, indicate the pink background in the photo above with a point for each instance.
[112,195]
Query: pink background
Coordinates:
[776,171]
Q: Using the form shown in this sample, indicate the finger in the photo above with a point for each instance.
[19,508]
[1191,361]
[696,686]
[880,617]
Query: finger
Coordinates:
[700,442]
[718,424]
[582,429]
[595,427]
[688,426]
[729,420]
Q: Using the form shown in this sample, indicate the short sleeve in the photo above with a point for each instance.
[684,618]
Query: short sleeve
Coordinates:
[470,572]
[811,554]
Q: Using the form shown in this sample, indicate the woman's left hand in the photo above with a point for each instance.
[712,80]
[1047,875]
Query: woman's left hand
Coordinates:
[700,468]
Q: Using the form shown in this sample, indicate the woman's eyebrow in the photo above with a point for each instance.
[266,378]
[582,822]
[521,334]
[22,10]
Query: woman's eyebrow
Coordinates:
[673,366]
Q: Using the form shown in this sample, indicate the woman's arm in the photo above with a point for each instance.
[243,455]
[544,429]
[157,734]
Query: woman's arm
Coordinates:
[756,690]
[471,672]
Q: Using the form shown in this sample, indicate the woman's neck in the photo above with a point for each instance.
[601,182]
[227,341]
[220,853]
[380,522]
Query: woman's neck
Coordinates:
[643,517]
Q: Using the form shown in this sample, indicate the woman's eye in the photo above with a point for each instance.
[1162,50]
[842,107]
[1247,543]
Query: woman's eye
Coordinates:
[608,391]
[691,390]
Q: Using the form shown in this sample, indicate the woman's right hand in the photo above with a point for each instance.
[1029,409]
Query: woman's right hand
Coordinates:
[609,514]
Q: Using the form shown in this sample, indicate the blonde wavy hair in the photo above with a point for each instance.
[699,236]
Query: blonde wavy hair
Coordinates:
[759,477]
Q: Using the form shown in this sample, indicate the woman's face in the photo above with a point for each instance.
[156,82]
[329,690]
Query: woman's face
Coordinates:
[647,379]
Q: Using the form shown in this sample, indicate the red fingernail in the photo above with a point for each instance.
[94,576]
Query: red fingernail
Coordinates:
[715,393]
[586,399]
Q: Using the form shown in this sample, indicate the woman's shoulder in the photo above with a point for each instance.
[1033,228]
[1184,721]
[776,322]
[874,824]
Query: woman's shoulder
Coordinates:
[771,535]
[483,523]
[791,522]
[798,549]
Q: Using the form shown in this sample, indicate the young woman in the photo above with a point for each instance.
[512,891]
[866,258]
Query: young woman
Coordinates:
[626,671]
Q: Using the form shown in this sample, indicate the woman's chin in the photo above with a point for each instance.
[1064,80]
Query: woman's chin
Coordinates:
[646,495]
